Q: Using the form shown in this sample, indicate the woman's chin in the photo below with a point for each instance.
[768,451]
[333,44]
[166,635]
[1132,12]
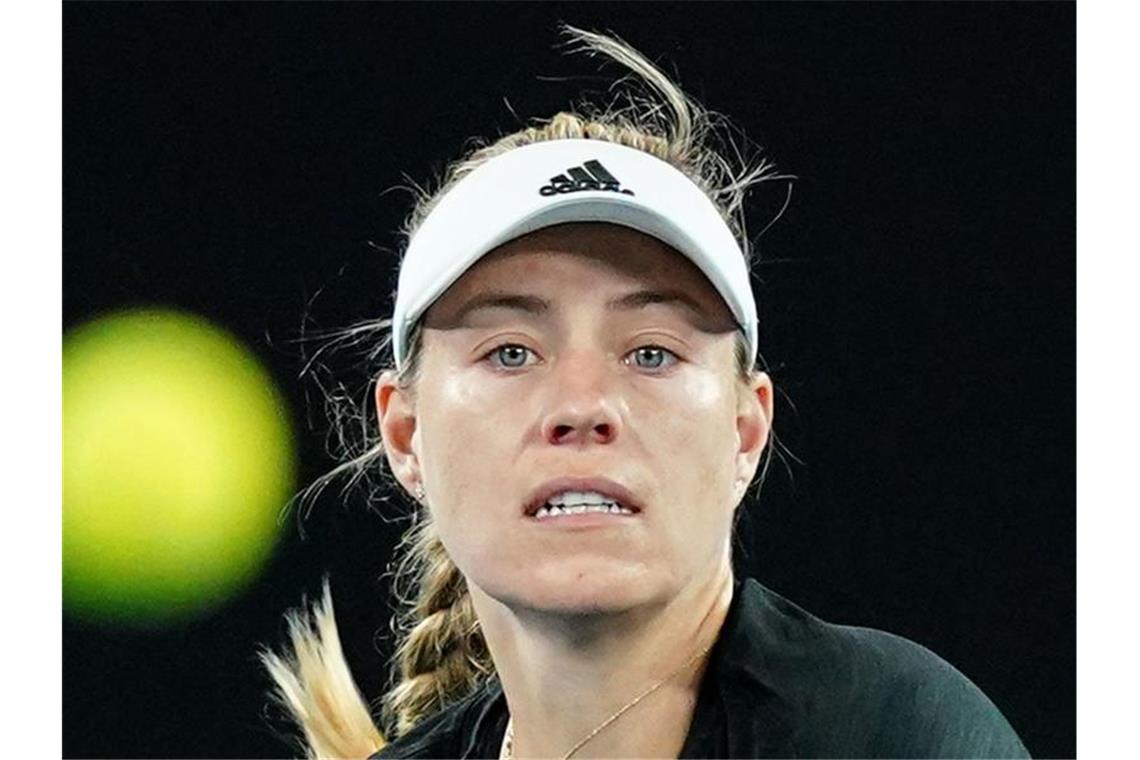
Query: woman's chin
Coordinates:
[585,591]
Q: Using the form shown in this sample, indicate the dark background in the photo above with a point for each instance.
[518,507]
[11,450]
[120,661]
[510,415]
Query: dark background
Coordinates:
[917,300]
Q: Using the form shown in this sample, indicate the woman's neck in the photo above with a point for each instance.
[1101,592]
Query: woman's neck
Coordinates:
[563,679]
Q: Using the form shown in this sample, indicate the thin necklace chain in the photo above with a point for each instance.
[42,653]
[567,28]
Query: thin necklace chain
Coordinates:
[508,744]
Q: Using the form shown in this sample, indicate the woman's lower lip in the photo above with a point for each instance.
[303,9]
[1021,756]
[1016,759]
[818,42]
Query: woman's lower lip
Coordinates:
[584,519]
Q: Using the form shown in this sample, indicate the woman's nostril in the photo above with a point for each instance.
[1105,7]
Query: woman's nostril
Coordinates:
[570,432]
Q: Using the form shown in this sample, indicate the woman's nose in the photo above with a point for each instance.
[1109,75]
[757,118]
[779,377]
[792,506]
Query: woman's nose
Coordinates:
[583,402]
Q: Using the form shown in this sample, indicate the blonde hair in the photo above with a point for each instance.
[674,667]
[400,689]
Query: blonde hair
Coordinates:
[441,655]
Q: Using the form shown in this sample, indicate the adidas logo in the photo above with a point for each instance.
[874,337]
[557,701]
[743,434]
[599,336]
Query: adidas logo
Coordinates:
[590,176]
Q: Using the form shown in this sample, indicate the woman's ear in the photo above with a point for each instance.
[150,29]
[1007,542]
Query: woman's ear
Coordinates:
[397,418]
[754,413]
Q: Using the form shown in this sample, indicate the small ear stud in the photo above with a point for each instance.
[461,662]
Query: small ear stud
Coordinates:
[419,492]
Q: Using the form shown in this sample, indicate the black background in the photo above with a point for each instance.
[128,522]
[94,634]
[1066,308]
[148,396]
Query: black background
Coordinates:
[917,300]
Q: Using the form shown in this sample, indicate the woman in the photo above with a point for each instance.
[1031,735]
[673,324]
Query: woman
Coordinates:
[574,318]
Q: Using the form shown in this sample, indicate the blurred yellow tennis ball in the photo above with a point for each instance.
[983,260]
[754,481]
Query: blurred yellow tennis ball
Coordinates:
[177,459]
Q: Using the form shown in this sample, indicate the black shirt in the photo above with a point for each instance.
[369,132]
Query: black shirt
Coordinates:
[783,683]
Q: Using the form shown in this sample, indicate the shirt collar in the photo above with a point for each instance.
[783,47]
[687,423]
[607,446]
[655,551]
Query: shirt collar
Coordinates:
[757,718]
[757,722]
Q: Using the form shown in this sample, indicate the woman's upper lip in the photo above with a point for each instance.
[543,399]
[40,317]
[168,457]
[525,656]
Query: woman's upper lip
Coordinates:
[604,486]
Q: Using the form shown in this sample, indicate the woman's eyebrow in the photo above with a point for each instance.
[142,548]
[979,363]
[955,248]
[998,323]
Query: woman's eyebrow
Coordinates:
[641,298]
[497,299]
[532,304]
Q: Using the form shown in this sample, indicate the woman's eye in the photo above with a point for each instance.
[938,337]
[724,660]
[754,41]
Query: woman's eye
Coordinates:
[510,355]
[514,355]
[653,357]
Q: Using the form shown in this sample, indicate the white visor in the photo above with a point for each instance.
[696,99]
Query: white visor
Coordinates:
[558,181]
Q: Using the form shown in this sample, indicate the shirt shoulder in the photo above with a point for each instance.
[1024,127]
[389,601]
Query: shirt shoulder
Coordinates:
[441,734]
[922,705]
[857,691]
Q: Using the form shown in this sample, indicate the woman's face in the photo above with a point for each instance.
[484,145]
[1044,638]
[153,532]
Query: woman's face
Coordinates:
[565,384]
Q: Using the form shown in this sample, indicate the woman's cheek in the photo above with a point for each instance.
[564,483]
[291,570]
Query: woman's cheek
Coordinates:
[705,390]
[481,388]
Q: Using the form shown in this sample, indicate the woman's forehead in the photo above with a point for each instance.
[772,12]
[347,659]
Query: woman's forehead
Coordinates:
[621,268]
[622,249]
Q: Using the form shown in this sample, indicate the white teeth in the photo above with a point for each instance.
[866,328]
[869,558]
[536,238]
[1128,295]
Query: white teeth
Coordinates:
[553,510]
[579,497]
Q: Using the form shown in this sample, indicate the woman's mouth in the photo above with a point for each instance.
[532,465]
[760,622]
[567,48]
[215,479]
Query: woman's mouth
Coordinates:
[583,510]
[550,511]
[577,498]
